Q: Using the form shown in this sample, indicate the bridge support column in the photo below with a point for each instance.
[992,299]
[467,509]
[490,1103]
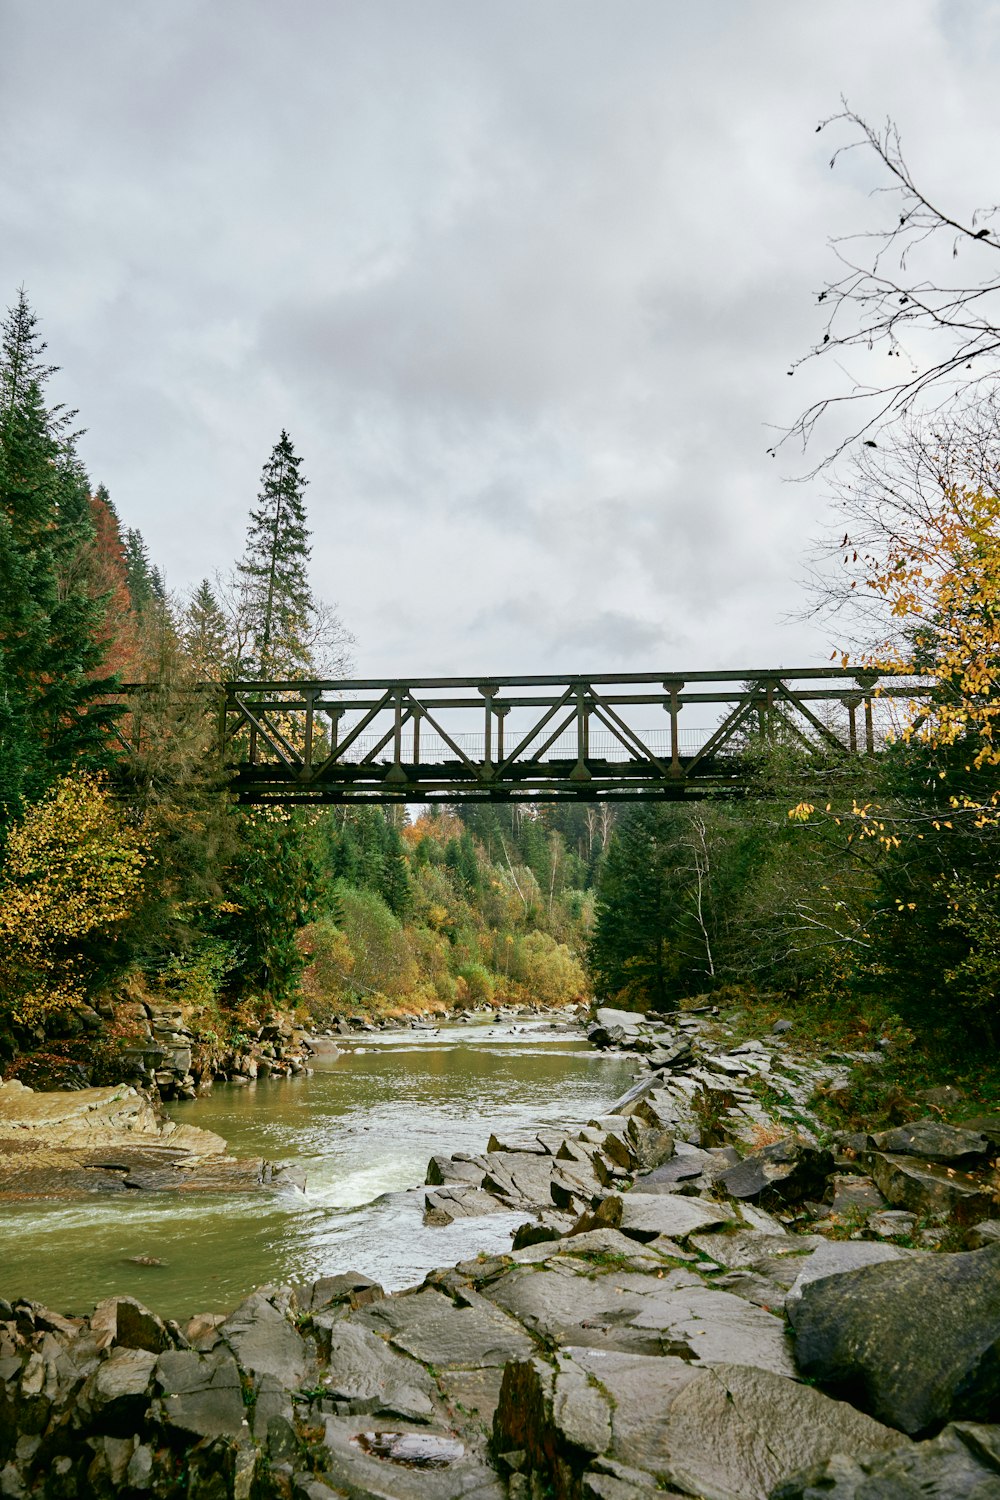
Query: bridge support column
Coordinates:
[674,687]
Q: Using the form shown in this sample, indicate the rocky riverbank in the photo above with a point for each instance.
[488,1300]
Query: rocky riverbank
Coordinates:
[67,1145]
[710,1296]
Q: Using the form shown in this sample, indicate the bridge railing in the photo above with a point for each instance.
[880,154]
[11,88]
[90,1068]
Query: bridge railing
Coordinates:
[544,737]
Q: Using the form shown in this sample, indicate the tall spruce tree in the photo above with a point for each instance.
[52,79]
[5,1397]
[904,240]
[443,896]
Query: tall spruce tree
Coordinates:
[51,624]
[277,602]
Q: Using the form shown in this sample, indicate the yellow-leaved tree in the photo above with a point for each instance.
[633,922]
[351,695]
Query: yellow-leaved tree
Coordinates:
[941,589]
[72,874]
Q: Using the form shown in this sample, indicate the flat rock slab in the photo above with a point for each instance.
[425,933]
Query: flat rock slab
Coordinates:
[672,1313]
[372,1378]
[429,1326]
[110,1140]
[644,1216]
[916,1342]
[833,1257]
[723,1433]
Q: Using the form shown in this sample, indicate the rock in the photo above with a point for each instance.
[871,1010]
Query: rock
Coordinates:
[201,1395]
[790,1170]
[831,1258]
[781,1027]
[264,1341]
[643,1216]
[981,1235]
[332,1291]
[371,1377]
[892,1224]
[854,1195]
[429,1326]
[728,1432]
[987,1125]
[118,1392]
[944,1096]
[961,1463]
[927,1188]
[450,1170]
[932,1140]
[671,1313]
[866,1335]
[124,1321]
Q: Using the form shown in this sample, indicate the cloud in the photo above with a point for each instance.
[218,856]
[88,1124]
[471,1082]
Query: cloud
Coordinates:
[522,282]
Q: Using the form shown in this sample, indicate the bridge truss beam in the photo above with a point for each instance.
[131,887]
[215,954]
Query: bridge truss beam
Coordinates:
[543,738]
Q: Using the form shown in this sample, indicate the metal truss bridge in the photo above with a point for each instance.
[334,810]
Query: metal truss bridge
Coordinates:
[619,736]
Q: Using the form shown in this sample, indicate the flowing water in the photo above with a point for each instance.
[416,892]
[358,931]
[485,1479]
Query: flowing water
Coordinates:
[362,1129]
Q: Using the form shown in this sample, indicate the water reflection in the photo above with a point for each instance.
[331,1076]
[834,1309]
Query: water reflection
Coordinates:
[363,1130]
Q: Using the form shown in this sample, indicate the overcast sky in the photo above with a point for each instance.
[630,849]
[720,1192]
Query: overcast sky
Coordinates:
[522,279]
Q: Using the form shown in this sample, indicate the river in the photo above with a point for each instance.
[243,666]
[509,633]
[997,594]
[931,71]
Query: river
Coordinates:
[363,1130]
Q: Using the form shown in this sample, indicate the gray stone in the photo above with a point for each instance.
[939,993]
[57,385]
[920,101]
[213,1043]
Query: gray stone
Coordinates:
[832,1258]
[892,1223]
[125,1322]
[932,1140]
[644,1216]
[451,1169]
[961,1463]
[669,1313]
[264,1341]
[981,1235]
[927,1188]
[364,1372]
[855,1195]
[790,1170]
[915,1342]
[118,1392]
[428,1325]
[724,1433]
[372,1459]
[202,1395]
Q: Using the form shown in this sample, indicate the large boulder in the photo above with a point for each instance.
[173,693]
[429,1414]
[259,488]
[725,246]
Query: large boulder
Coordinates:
[915,1342]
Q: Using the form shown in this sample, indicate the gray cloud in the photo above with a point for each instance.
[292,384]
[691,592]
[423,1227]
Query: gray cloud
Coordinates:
[522,282]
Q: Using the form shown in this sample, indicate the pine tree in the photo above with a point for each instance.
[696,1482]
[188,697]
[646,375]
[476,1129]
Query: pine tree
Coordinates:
[277,601]
[145,585]
[633,956]
[206,638]
[51,624]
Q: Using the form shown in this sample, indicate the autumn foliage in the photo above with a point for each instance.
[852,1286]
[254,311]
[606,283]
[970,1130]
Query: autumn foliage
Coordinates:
[72,875]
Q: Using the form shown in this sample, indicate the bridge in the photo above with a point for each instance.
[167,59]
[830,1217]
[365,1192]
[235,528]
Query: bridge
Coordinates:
[624,736]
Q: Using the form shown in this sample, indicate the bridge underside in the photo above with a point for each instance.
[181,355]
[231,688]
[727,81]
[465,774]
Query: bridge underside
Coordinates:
[544,739]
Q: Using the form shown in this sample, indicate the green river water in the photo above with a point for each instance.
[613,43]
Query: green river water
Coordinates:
[363,1130]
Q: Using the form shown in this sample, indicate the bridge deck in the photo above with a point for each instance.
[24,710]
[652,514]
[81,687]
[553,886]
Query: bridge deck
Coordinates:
[545,738]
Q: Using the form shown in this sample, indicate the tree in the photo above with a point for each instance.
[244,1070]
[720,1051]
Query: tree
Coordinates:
[632,956]
[277,601]
[924,291]
[72,876]
[53,641]
[206,636]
